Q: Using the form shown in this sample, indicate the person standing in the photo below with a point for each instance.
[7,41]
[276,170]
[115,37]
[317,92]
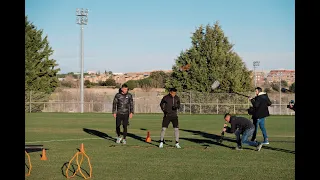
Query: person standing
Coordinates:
[169,104]
[260,104]
[122,110]
[241,125]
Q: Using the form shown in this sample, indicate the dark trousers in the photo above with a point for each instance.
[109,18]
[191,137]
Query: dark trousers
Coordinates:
[170,118]
[254,121]
[122,119]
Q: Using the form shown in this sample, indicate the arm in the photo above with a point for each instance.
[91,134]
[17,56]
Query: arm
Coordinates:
[178,103]
[255,102]
[269,103]
[131,105]
[232,129]
[163,105]
[114,104]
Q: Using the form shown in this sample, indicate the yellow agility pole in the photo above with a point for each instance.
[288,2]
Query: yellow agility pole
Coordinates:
[82,153]
[30,166]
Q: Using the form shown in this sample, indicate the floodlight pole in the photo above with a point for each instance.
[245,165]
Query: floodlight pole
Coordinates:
[82,19]
[280,74]
[255,64]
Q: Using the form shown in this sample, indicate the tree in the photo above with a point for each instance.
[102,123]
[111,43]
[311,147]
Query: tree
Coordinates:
[275,86]
[211,58]
[131,84]
[284,83]
[110,82]
[159,78]
[40,70]
[293,87]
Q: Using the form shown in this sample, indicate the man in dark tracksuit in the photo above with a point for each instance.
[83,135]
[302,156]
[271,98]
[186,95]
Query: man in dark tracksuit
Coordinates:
[260,105]
[241,125]
[169,104]
[122,110]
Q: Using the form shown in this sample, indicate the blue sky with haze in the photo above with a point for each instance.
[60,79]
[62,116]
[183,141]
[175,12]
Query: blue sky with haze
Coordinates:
[144,35]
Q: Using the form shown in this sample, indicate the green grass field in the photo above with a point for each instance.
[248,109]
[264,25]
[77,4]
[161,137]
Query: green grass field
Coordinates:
[201,157]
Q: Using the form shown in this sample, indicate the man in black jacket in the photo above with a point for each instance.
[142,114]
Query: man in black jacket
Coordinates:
[241,125]
[260,105]
[292,105]
[169,104]
[122,110]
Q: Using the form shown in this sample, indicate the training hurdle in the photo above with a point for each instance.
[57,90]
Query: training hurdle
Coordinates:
[30,166]
[82,153]
[33,148]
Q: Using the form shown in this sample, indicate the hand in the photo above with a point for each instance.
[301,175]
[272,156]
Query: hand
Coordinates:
[225,125]
[114,115]
[250,98]
[130,115]
[224,129]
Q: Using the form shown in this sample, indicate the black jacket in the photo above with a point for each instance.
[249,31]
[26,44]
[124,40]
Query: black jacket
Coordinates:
[122,104]
[169,105]
[260,106]
[240,123]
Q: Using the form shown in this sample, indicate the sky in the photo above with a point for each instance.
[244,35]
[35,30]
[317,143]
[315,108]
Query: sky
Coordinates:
[143,35]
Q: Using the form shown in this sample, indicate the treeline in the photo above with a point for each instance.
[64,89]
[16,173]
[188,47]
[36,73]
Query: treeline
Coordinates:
[157,79]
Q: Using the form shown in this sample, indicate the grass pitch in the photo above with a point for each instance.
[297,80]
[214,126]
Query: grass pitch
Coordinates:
[201,157]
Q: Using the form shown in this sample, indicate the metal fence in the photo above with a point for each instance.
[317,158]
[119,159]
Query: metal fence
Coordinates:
[148,102]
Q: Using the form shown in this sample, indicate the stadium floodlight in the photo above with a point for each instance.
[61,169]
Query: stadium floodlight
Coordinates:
[82,19]
[255,64]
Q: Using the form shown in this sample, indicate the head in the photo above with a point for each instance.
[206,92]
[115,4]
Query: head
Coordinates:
[124,89]
[227,117]
[173,91]
[258,90]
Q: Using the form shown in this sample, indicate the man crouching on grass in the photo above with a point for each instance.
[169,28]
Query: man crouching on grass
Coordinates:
[241,125]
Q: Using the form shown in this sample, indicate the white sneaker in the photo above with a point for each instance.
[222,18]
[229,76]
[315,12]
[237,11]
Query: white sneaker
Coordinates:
[178,146]
[259,147]
[124,141]
[161,145]
[119,140]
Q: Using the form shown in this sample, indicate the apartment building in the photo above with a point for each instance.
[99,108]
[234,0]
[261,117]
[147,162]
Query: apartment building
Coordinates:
[259,77]
[286,75]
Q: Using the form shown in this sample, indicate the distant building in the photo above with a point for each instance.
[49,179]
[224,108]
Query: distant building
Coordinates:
[259,77]
[286,75]
[91,72]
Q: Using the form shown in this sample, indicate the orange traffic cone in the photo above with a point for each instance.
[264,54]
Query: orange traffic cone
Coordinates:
[44,156]
[148,139]
[82,148]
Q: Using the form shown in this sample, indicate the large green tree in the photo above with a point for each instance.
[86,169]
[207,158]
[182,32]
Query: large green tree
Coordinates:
[211,57]
[40,70]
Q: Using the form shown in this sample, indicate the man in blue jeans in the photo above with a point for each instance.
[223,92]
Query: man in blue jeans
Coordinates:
[260,105]
[241,125]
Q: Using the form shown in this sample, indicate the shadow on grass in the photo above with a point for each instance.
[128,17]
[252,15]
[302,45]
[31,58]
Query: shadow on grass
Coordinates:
[27,166]
[99,134]
[278,149]
[214,137]
[34,148]
[72,169]
[217,137]
[206,142]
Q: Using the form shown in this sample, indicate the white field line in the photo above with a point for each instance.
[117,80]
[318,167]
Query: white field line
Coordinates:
[82,139]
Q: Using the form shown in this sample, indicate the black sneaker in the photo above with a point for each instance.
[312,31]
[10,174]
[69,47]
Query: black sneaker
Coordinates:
[239,148]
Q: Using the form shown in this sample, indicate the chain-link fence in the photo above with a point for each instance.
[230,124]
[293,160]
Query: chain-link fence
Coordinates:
[148,102]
